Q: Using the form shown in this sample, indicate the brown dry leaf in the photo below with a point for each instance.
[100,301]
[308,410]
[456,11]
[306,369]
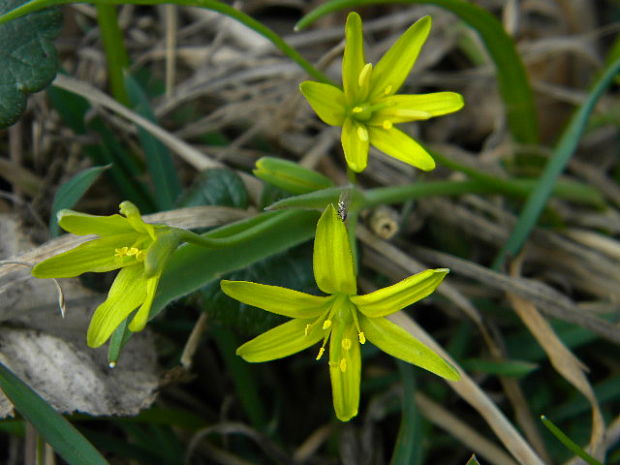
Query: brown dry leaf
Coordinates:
[562,359]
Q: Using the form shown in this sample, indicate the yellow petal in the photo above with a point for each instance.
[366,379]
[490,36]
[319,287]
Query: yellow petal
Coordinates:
[353,60]
[399,145]
[398,296]
[355,143]
[403,108]
[333,261]
[82,223]
[395,341]
[142,315]
[345,368]
[394,67]
[326,100]
[276,299]
[135,219]
[281,341]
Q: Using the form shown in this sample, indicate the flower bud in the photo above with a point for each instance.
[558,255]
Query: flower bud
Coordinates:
[289,176]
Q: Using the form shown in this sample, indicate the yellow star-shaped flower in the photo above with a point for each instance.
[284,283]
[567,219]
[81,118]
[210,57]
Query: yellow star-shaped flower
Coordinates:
[367,107]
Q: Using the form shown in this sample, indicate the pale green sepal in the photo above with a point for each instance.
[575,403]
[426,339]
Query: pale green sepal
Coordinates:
[345,368]
[399,145]
[395,341]
[290,176]
[353,60]
[333,261]
[95,256]
[326,100]
[82,224]
[394,67]
[390,299]
[355,143]
[276,299]
[135,219]
[142,315]
[127,293]
[281,341]
[159,252]
[402,107]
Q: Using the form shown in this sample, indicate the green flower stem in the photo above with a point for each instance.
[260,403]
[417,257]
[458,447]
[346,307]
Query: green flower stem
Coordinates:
[514,187]
[115,50]
[214,5]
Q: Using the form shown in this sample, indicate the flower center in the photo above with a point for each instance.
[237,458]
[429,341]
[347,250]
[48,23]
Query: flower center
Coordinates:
[135,252]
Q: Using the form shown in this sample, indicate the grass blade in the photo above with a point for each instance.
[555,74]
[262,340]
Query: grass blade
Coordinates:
[58,432]
[407,450]
[570,445]
[511,76]
[561,155]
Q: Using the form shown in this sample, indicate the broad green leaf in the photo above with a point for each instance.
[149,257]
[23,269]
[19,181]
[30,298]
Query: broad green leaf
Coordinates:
[158,159]
[57,432]
[512,79]
[71,192]
[216,186]
[28,61]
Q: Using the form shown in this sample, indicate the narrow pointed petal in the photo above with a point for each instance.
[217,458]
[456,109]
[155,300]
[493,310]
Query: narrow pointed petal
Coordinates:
[355,143]
[333,261]
[82,223]
[353,60]
[276,299]
[96,255]
[394,67]
[395,341]
[126,294]
[135,219]
[159,252]
[402,108]
[398,296]
[326,100]
[281,341]
[142,315]
[345,368]
[399,145]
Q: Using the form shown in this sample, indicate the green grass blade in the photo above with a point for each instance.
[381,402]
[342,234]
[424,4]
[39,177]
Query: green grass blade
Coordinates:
[408,447]
[568,443]
[214,5]
[71,192]
[158,160]
[561,155]
[116,55]
[473,461]
[66,440]
[511,76]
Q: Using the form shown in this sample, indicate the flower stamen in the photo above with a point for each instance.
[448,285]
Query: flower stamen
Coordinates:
[343,365]
[346,343]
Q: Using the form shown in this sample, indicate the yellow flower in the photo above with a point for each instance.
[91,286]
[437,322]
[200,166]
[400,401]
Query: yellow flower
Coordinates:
[139,249]
[342,318]
[367,106]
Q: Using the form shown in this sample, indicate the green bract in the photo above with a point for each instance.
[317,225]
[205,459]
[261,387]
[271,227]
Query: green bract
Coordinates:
[343,318]
[367,108]
[127,242]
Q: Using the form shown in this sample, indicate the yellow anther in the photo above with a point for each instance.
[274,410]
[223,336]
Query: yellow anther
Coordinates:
[121,252]
[346,343]
[361,337]
[387,124]
[362,133]
[388,90]
[321,352]
[327,324]
[307,329]
[357,110]
[140,256]
[343,365]
[133,251]
[364,76]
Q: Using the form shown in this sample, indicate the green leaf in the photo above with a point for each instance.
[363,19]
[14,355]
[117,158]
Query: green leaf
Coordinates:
[71,192]
[28,61]
[512,79]
[407,450]
[473,461]
[58,432]
[158,159]
[216,186]
[561,156]
[568,442]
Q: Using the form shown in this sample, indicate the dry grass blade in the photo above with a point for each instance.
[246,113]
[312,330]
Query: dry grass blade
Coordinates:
[443,418]
[474,396]
[562,360]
